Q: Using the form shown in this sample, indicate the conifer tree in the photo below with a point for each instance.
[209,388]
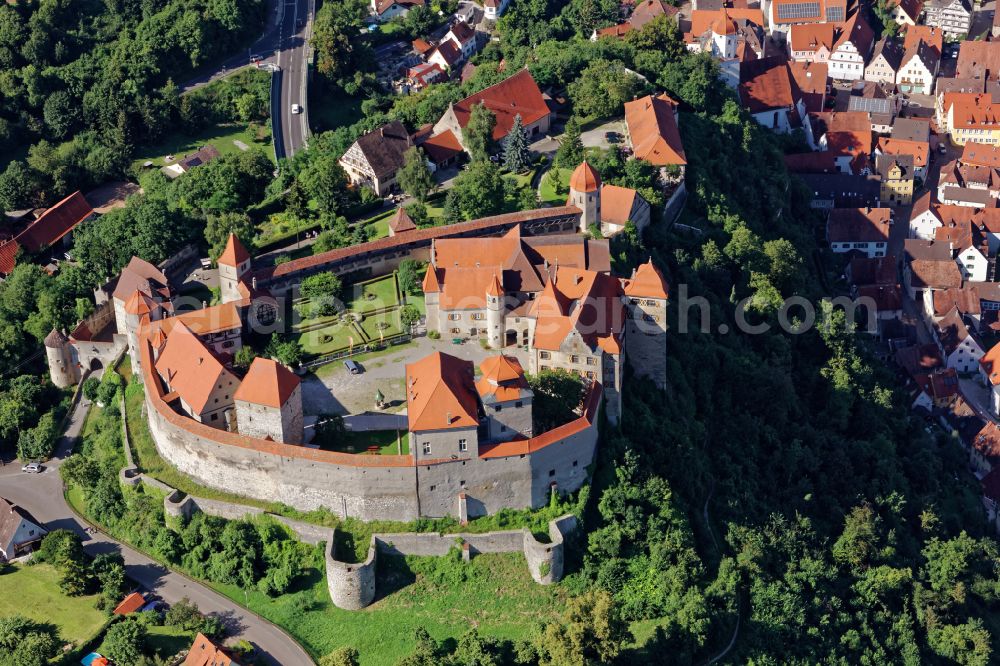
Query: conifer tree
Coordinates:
[516,155]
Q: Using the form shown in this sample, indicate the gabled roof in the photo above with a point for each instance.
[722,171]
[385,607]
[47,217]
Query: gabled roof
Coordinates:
[140,275]
[383,148]
[951,331]
[204,652]
[449,52]
[578,302]
[885,163]
[235,252]
[129,604]
[47,230]
[766,84]
[859,225]
[647,10]
[918,150]
[971,110]
[978,60]
[890,50]
[856,31]
[935,274]
[963,299]
[653,130]
[647,282]
[190,369]
[442,147]
[516,95]
[617,204]
[140,304]
[431,284]
[872,270]
[811,36]
[930,35]
[11,518]
[911,129]
[462,31]
[268,383]
[911,8]
[585,178]
[702,20]
[204,321]
[981,154]
[203,155]
[440,393]
[927,54]
[919,359]
[987,441]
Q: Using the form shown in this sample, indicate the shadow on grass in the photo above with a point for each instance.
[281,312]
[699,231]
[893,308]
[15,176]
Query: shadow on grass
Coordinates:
[392,575]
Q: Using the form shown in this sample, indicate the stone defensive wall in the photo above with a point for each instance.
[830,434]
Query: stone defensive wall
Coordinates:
[385,254]
[514,475]
[352,585]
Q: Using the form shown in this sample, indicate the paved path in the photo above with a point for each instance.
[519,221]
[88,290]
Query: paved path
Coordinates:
[41,495]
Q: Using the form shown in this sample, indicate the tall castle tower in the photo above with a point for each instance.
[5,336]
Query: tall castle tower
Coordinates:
[646,295]
[495,311]
[139,306]
[234,262]
[585,194]
[59,353]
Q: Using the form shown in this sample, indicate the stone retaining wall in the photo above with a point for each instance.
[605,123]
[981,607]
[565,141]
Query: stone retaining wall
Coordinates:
[352,585]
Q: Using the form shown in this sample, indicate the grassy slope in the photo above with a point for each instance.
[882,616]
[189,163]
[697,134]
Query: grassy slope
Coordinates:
[221,136]
[34,592]
[497,595]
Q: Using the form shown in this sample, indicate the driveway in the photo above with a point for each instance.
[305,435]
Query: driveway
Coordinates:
[332,389]
[596,137]
[42,496]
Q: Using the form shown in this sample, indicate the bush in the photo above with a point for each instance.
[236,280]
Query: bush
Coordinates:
[90,388]
[37,443]
[433,335]
[111,383]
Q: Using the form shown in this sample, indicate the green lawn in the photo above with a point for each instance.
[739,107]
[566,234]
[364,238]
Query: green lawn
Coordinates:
[221,136]
[34,591]
[340,338]
[547,189]
[374,294]
[389,442]
[165,642]
[371,323]
[493,593]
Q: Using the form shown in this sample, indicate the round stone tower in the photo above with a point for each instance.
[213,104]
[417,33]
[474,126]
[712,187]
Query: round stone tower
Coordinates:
[495,312]
[59,353]
[585,194]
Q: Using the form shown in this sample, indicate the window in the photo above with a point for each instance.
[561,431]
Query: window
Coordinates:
[478,316]
[503,428]
[575,463]
[227,345]
[463,445]
[497,408]
[454,317]
[590,375]
[591,360]
[552,472]
[518,404]
[455,331]
[215,417]
[574,359]
[544,355]
[427,448]
[432,488]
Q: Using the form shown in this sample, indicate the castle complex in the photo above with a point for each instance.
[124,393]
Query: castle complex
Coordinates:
[516,281]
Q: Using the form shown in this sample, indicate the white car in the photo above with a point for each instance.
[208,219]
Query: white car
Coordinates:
[296,108]
[32,468]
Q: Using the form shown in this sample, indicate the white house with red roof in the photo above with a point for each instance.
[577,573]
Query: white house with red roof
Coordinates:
[517,95]
[861,230]
[852,49]
[494,9]
[385,10]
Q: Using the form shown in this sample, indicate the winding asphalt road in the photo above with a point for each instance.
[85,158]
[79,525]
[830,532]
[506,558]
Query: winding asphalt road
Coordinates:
[42,496]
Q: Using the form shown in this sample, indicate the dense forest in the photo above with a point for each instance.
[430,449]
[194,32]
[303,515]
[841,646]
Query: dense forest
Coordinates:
[82,82]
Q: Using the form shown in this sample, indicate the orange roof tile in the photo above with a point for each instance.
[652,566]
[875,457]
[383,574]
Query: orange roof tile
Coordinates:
[971,110]
[811,36]
[495,288]
[431,284]
[703,19]
[213,319]
[204,652]
[990,363]
[920,150]
[440,393]
[234,254]
[502,378]
[585,178]
[55,223]
[859,224]
[577,300]
[653,130]
[929,35]
[268,383]
[516,447]
[129,604]
[466,288]
[442,146]
[517,95]
[647,282]
[981,154]
[140,304]
[190,369]
[617,203]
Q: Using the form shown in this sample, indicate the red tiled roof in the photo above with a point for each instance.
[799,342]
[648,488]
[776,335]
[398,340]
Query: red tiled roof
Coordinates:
[517,95]
[859,225]
[585,178]
[591,403]
[235,252]
[268,383]
[495,222]
[47,230]
[129,604]
[401,221]
[190,368]
[440,393]
[653,131]
[647,282]
[442,147]
[919,150]
[502,378]
[981,154]
[811,36]
[964,299]
[204,652]
[887,298]
[935,274]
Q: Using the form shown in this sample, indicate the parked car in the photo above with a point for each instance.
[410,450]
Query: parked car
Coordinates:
[296,108]
[255,58]
[611,137]
[353,367]
[33,467]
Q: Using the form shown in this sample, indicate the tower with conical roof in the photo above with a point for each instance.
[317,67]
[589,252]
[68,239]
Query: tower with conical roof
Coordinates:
[63,369]
[495,311]
[234,263]
[585,194]
[646,295]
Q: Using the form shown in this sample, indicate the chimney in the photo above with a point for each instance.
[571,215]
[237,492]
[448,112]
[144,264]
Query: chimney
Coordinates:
[447,418]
